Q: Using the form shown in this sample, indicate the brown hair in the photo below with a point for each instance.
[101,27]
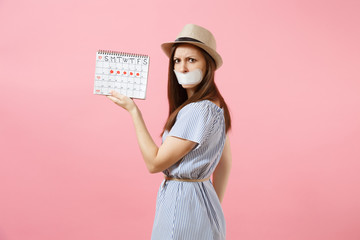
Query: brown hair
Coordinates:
[205,90]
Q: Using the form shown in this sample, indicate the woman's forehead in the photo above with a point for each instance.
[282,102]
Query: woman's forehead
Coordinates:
[187,49]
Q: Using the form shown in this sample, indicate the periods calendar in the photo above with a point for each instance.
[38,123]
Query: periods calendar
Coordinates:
[126,73]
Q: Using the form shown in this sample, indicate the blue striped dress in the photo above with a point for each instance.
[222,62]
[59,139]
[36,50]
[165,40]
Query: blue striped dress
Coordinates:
[192,210]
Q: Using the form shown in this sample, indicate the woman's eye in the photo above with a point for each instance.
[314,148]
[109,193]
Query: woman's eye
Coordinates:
[192,60]
[176,61]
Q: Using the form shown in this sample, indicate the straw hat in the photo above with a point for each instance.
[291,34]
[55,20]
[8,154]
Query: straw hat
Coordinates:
[198,36]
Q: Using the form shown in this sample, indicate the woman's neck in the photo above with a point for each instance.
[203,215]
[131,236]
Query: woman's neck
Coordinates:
[190,92]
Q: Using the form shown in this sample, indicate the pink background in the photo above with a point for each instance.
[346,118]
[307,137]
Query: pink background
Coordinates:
[70,166]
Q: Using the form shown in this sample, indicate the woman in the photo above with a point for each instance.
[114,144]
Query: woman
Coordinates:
[195,144]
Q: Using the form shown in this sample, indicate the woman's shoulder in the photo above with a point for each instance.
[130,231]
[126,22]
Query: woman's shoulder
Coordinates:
[202,105]
[205,102]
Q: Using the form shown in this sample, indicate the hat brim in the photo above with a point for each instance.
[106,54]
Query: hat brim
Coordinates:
[166,47]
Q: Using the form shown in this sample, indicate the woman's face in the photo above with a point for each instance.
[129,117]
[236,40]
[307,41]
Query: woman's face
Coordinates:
[187,58]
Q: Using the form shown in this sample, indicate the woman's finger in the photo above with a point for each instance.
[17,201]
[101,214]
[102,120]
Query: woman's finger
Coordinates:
[116,94]
[114,99]
[121,100]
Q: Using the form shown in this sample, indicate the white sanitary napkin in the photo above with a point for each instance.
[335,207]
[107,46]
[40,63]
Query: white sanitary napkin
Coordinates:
[192,77]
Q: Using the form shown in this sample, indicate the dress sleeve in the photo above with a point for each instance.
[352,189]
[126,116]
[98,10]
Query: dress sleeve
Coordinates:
[193,122]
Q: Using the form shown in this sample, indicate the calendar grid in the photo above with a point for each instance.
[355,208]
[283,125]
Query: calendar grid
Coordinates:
[126,73]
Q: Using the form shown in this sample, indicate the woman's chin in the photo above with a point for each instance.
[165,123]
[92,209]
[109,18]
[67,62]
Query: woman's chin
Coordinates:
[186,86]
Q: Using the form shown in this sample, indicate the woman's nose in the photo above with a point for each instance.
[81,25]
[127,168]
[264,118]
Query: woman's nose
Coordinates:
[183,67]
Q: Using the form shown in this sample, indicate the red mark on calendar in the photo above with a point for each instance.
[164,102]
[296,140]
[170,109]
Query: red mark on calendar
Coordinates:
[100,57]
[137,74]
[111,71]
[98,77]
[118,72]
[97,90]
[131,73]
[124,72]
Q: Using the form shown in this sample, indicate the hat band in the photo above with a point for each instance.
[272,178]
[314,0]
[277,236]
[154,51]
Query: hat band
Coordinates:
[188,39]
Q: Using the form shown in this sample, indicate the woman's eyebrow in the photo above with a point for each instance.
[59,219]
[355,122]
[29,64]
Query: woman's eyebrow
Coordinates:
[189,56]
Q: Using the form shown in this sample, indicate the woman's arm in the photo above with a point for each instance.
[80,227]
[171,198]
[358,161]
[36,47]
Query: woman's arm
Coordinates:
[156,159]
[222,171]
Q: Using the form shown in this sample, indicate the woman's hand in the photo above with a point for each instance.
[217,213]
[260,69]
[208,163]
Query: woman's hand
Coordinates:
[123,101]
